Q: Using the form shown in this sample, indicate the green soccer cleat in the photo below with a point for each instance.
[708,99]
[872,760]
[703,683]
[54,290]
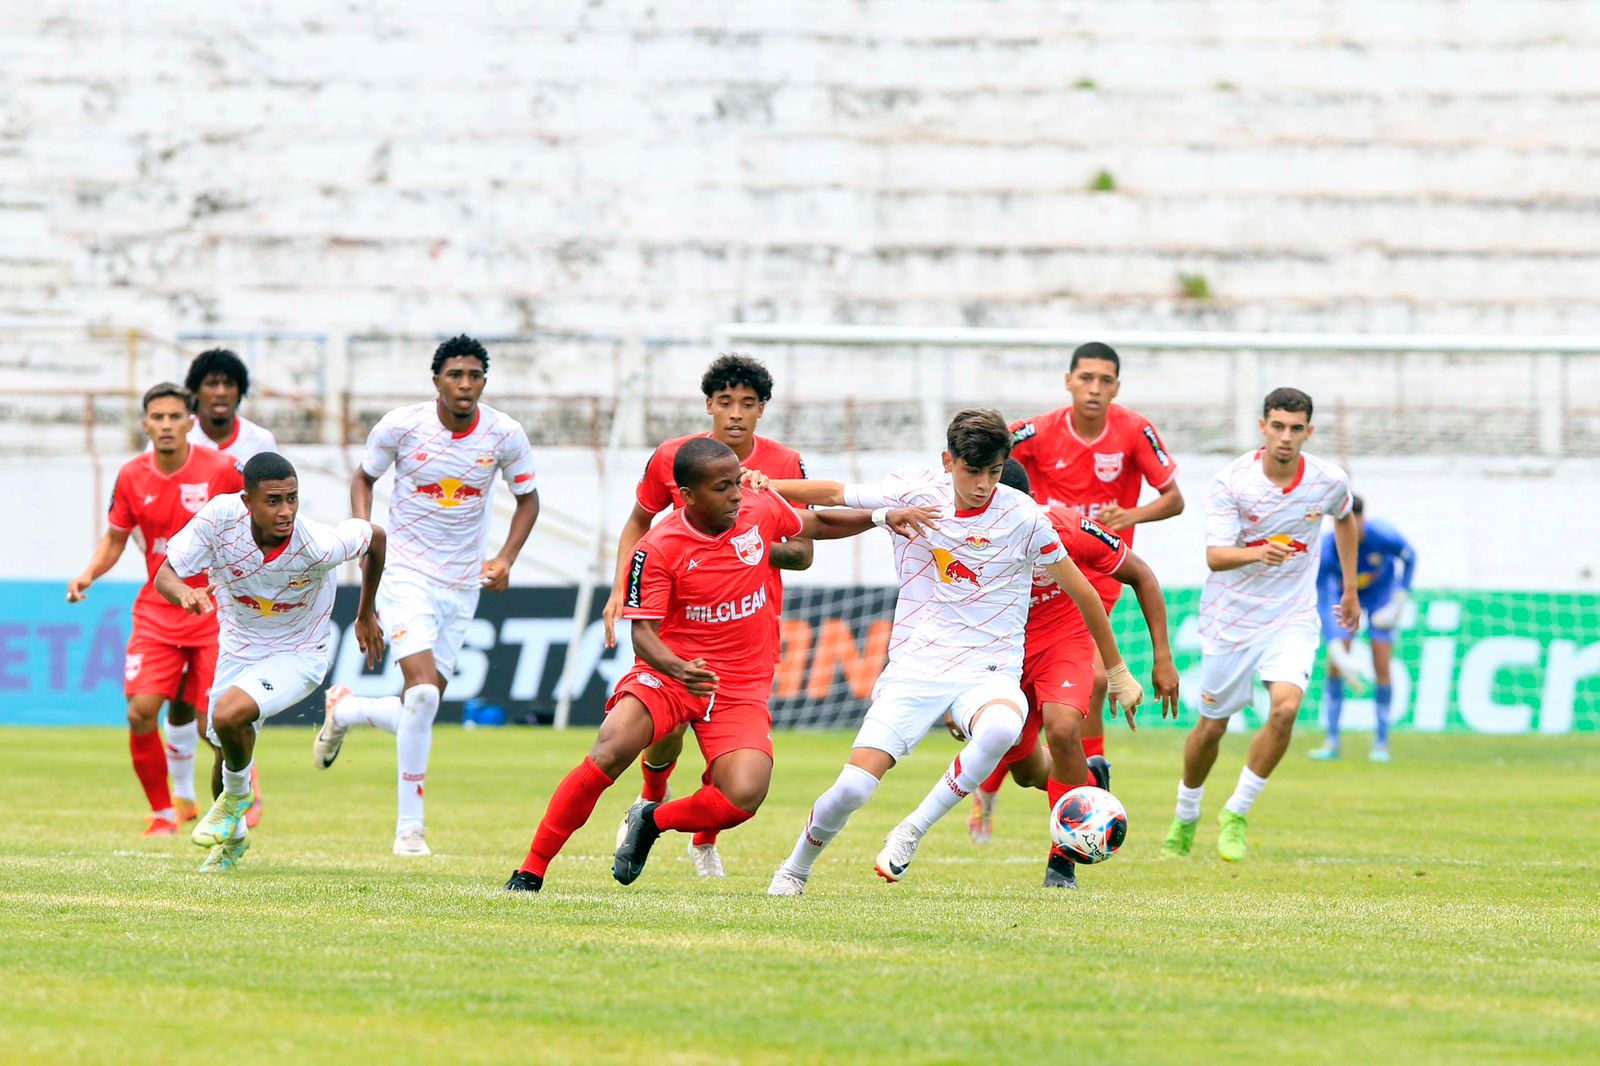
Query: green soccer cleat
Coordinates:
[1230,842]
[1180,838]
[222,820]
[1326,753]
[222,858]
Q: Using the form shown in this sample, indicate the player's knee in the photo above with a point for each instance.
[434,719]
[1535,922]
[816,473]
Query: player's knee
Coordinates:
[1064,728]
[1210,730]
[997,728]
[418,708]
[853,788]
[142,719]
[231,716]
[747,792]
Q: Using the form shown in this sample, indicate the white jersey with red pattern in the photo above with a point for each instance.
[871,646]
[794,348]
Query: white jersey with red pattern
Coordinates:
[1244,509]
[248,439]
[439,512]
[268,603]
[964,587]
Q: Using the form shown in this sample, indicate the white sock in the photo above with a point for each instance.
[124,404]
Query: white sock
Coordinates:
[828,816]
[1189,801]
[382,712]
[1250,787]
[997,729]
[182,740]
[236,782]
[413,743]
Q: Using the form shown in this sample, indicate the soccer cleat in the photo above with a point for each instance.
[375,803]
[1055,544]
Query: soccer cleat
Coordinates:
[1327,753]
[639,836]
[786,883]
[622,826]
[1100,770]
[1060,872]
[157,826]
[330,738]
[221,822]
[1180,838]
[707,863]
[899,848]
[1230,843]
[252,817]
[524,881]
[1379,753]
[185,809]
[980,823]
[222,858]
[412,842]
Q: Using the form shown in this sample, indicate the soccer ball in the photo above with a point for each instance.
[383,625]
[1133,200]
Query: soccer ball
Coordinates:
[1088,824]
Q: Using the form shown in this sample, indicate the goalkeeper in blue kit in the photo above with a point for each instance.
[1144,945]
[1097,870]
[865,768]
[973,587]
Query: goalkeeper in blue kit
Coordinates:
[1385,568]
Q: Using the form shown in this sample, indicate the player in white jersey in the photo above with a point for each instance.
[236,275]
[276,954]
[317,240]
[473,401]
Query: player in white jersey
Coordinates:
[1258,612]
[957,640]
[272,575]
[219,381]
[446,453]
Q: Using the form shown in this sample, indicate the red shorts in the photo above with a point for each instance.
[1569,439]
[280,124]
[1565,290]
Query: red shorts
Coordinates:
[724,722]
[155,667]
[1060,671]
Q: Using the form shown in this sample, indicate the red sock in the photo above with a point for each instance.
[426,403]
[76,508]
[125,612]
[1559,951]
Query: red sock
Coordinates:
[1056,789]
[1094,746]
[655,781]
[702,840]
[993,782]
[704,812]
[570,807]
[150,763]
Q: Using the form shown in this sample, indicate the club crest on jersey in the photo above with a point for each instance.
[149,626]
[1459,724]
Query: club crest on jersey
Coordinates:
[751,546]
[952,569]
[1108,466]
[1314,515]
[978,543]
[484,461]
[450,492]
[130,668]
[194,496]
[299,582]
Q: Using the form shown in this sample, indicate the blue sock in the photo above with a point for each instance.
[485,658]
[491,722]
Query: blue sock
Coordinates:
[1382,699]
[1334,703]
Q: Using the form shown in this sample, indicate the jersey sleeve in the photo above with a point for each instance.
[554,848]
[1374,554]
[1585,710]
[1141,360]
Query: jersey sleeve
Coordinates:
[269,442]
[1339,498]
[649,584]
[654,493]
[1154,463]
[121,517]
[349,539]
[1094,547]
[899,489]
[1045,545]
[789,522]
[516,462]
[1222,514]
[191,550]
[383,444]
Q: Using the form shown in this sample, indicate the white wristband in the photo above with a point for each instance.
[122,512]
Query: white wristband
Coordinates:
[880,518]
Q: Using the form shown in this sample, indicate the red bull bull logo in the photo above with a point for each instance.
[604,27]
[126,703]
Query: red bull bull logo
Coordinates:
[268,607]
[450,492]
[952,569]
[1295,547]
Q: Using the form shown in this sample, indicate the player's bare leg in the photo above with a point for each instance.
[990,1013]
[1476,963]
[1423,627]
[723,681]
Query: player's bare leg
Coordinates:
[849,793]
[223,830]
[738,785]
[150,762]
[1266,751]
[1383,698]
[183,740]
[1063,726]
[1199,756]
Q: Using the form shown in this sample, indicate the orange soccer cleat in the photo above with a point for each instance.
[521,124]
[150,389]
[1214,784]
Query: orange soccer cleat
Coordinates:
[185,809]
[157,826]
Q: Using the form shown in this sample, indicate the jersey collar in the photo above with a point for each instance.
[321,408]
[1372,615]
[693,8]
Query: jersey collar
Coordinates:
[1072,429]
[1299,474]
[974,512]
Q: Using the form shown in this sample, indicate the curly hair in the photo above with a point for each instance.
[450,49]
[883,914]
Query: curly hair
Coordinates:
[218,361]
[733,369]
[460,345]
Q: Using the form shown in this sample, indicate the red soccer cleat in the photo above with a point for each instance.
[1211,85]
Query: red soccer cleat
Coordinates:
[157,826]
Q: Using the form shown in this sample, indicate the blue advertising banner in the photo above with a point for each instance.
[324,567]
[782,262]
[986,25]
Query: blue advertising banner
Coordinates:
[61,663]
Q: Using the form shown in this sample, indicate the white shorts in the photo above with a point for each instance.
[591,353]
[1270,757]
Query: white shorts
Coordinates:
[905,708]
[275,683]
[1227,678]
[420,615]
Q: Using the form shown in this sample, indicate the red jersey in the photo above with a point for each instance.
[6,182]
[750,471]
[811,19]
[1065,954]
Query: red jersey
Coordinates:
[713,595]
[159,505]
[658,489]
[1098,552]
[1065,469]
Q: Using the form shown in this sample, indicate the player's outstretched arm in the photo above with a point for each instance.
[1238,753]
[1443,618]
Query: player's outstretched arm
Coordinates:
[496,573]
[180,594]
[1136,573]
[1122,687]
[797,490]
[106,553]
[836,524]
[369,633]
[648,645]
[637,525]
[1348,540]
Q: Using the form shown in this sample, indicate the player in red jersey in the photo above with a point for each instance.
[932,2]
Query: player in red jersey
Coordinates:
[704,629]
[171,655]
[1058,669]
[1094,457]
[737,389]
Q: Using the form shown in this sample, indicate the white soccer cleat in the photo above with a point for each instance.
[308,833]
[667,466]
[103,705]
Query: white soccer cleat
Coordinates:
[785,883]
[412,842]
[330,738]
[898,850]
[707,863]
[622,826]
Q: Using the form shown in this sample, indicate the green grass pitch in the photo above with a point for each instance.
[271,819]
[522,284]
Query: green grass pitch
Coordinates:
[1445,908]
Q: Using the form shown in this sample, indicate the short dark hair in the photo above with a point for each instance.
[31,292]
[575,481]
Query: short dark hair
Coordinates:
[1095,350]
[732,369]
[218,361]
[1357,505]
[266,466]
[460,345]
[688,466]
[165,389]
[1286,399]
[978,437]
[1015,476]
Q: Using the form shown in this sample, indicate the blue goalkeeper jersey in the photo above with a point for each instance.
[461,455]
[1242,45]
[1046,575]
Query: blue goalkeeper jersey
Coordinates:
[1385,562]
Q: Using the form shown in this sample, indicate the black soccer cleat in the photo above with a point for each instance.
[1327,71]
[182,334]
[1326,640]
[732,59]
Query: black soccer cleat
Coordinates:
[1100,770]
[523,881]
[1060,872]
[639,835]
